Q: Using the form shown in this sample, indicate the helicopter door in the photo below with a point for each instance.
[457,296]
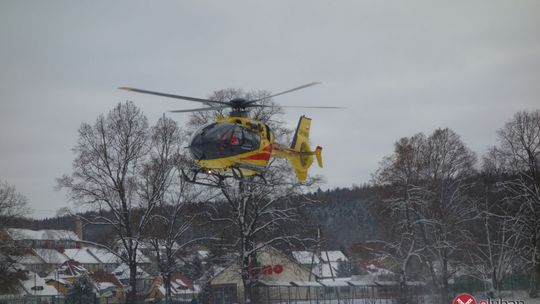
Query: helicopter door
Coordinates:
[251,141]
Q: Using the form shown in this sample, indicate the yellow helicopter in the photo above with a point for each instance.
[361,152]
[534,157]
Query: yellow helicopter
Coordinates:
[240,146]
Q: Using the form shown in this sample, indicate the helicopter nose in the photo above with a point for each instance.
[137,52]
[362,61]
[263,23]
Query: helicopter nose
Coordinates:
[196,147]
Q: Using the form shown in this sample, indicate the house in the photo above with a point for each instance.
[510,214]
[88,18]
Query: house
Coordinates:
[30,261]
[85,258]
[324,263]
[276,271]
[181,288]
[108,287]
[109,261]
[61,285]
[143,278]
[45,238]
[52,259]
[35,285]
[64,276]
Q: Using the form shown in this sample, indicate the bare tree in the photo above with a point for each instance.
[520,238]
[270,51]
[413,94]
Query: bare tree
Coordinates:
[494,250]
[12,205]
[170,231]
[258,216]
[122,170]
[400,176]
[429,180]
[518,156]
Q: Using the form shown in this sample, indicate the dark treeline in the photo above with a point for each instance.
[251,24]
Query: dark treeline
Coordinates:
[343,214]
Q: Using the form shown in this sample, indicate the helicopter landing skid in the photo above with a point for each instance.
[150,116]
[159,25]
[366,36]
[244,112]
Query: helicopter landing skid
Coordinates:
[209,178]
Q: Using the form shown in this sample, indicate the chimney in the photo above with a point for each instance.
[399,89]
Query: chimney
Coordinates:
[79,228]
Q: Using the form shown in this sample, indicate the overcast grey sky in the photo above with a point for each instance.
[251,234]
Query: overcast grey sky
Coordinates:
[400,67]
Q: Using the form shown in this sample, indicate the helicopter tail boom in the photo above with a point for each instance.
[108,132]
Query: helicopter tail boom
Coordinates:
[300,154]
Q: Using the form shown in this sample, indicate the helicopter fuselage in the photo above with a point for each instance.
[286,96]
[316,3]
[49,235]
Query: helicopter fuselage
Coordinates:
[241,143]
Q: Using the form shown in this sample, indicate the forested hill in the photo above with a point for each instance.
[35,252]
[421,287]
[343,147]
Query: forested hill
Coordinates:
[343,215]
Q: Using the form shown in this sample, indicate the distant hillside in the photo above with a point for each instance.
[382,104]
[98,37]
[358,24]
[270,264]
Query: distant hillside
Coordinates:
[343,215]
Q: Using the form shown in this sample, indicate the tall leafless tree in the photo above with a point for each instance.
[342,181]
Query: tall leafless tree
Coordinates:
[401,177]
[494,251]
[123,169]
[259,215]
[170,230]
[518,156]
[12,205]
[429,180]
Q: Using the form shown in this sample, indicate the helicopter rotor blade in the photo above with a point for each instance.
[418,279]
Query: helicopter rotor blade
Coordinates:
[284,92]
[174,96]
[293,107]
[199,109]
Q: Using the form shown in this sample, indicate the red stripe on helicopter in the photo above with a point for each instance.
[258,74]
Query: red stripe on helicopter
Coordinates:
[259,156]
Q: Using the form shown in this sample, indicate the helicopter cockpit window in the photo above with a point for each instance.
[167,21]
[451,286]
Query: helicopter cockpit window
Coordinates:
[220,140]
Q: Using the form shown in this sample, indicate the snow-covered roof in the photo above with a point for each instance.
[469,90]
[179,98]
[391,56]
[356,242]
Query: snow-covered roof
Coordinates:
[141,258]
[306,284]
[81,255]
[326,270]
[180,285]
[339,282]
[122,272]
[363,279]
[35,285]
[103,255]
[306,257]
[51,256]
[104,281]
[203,254]
[44,234]
[27,259]
[61,280]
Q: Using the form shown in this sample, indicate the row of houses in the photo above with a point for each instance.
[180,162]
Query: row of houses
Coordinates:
[55,259]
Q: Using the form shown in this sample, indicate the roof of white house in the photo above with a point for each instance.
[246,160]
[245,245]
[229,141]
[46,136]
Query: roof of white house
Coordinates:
[103,255]
[44,234]
[122,272]
[51,256]
[35,285]
[27,259]
[306,257]
[81,255]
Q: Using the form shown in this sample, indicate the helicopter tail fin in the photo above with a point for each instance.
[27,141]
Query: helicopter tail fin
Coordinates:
[303,157]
